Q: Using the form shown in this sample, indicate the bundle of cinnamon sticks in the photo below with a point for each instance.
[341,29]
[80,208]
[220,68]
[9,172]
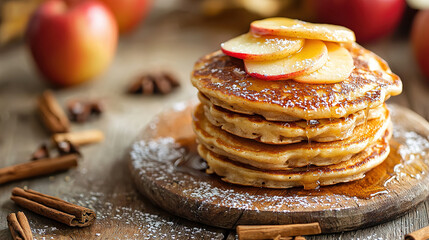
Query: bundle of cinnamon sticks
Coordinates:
[48,206]
[19,226]
[53,208]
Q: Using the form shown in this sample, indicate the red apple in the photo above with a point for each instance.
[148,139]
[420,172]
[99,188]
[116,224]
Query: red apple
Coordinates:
[420,40]
[128,13]
[369,19]
[72,42]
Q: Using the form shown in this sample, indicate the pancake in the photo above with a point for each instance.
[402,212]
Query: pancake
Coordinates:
[267,156]
[224,81]
[273,132]
[311,177]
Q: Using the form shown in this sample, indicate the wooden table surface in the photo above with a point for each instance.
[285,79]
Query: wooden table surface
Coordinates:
[169,38]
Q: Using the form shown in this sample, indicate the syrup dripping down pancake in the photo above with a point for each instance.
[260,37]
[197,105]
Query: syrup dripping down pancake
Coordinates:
[311,177]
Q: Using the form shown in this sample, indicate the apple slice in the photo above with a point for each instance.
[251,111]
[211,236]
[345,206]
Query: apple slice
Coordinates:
[311,57]
[338,67]
[300,29]
[250,47]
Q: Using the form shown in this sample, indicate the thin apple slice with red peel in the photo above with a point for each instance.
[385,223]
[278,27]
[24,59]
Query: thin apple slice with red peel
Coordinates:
[256,48]
[299,29]
[312,56]
[338,67]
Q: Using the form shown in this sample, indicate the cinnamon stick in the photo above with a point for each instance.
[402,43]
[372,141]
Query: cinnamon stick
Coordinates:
[421,234]
[53,208]
[19,226]
[52,114]
[37,168]
[272,231]
[79,138]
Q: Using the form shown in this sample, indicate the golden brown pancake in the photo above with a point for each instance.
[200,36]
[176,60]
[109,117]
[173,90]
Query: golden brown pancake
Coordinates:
[353,169]
[224,81]
[267,156]
[272,132]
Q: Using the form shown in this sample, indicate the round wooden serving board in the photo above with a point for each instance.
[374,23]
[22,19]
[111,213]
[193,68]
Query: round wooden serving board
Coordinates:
[168,171]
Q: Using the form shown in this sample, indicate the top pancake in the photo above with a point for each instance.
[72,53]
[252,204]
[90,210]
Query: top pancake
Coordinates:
[224,81]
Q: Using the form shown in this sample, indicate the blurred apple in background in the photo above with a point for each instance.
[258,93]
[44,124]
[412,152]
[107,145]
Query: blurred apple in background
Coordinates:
[72,41]
[128,13]
[420,40]
[369,19]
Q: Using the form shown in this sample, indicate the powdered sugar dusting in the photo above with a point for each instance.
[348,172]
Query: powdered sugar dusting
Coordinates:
[139,224]
[153,160]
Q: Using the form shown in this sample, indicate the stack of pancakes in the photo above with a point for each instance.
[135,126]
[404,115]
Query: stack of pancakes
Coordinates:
[282,134]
